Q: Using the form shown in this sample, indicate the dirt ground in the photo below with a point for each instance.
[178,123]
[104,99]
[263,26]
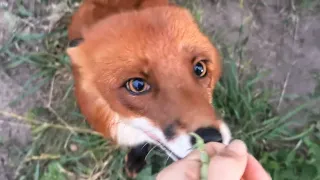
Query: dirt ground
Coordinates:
[282,38]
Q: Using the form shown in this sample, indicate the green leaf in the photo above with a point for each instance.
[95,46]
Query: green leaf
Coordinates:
[53,172]
[146,174]
[290,158]
[308,171]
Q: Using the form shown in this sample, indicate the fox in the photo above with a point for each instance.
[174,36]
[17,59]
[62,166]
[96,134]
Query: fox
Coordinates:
[144,74]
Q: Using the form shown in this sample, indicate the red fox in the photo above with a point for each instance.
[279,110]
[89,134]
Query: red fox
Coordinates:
[144,74]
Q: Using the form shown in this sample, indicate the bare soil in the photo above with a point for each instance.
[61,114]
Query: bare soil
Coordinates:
[283,38]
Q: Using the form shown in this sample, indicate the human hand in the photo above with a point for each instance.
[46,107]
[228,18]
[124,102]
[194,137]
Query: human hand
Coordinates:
[230,162]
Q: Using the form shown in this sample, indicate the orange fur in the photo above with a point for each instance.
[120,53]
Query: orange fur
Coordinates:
[92,11]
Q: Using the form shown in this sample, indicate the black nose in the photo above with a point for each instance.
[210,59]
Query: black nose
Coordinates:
[208,135]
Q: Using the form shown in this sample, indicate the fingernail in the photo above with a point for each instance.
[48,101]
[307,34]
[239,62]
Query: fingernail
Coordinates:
[238,147]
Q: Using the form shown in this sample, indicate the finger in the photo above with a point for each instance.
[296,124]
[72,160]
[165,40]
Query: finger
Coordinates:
[181,170]
[211,149]
[230,163]
[254,170]
[189,167]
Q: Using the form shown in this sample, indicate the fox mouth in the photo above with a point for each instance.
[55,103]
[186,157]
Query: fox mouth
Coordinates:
[141,131]
[186,141]
[170,153]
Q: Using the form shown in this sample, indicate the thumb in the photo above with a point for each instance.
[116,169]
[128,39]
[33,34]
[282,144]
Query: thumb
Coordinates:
[229,163]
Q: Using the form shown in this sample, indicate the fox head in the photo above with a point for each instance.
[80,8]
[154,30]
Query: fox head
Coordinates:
[148,76]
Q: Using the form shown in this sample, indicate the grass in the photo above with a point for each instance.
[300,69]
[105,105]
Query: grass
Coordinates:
[311,5]
[286,154]
[64,147]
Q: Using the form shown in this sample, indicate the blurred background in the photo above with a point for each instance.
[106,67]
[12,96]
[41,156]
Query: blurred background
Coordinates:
[269,92]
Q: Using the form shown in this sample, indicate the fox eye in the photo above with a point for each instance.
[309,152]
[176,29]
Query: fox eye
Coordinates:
[137,86]
[200,68]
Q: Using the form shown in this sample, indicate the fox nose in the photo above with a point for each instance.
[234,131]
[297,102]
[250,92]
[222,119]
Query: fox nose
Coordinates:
[208,134]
